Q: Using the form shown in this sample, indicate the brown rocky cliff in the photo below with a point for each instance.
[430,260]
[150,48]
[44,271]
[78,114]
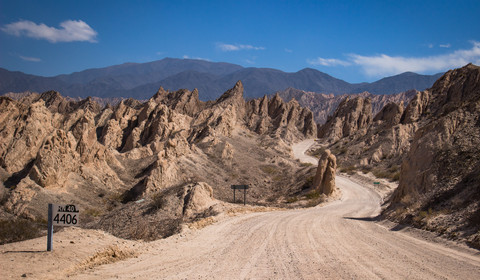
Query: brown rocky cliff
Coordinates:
[391,114]
[351,116]
[451,115]
[324,105]
[324,180]
[23,135]
[183,101]
[440,173]
[55,148]
[287,120]
[416,108]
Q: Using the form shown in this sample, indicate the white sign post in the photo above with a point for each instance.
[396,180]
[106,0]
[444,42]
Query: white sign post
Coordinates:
[60,215]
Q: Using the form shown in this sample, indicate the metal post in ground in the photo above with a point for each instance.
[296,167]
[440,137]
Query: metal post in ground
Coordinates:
[50,227]
[244,196]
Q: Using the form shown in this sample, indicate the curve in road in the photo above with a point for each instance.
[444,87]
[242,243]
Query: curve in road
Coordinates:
[337,241]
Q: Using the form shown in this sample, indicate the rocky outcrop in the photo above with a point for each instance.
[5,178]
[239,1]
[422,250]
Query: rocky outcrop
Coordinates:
[23,135]
[183,101]
[162,215]
[55,160]
[390,115]
[352,115]
[451,132]
[324,180]
[287,120]
[440,173]
[416,108]
[324,105]
[57,148]
[198,198]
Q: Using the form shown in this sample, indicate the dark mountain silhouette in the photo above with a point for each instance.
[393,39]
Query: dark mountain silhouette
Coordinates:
[140,80]
[396,84]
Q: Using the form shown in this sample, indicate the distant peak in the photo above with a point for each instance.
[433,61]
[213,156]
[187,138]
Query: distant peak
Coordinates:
[233,93]
[239,85]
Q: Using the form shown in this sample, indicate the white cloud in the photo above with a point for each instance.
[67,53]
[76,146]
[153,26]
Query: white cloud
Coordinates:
[197,58]
[445,46]
[70,31]
[383,64]
[327,62]
[288,50]
[430,46]
[237,47]
[32,59]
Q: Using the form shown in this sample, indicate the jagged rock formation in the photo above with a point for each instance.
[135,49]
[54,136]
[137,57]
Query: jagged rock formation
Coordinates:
[324,105]
[54,149]
[352,115]
[324,180]
[440,173]
[431,147]
[390,115]
[416,107]
[361,141]
[286,120]
[161,215]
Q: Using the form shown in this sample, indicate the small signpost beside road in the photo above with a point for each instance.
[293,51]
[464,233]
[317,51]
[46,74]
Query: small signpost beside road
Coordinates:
[376,183]
[60,215]
[240,187]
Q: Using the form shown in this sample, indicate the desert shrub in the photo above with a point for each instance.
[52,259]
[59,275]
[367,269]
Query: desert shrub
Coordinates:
[350,170]
[111,254]
[306,164]
[366,169]
[380,173]
[20,229]
[158,201]
[342,150]
[269,169]
[152,230]
[309,181]
[93,212]
[393,168]
[313,194]
[392,173]
[278,178]
[317,152]
[395,176]
[315,198]
[292,199]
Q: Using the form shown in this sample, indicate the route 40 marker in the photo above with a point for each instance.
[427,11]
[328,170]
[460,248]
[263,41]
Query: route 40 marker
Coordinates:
[60,215]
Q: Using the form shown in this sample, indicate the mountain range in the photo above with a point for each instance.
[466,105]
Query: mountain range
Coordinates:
[141,80]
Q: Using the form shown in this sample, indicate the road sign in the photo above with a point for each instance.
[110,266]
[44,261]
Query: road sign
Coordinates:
[240,187]
[60,215]
[65,215]
[376,183]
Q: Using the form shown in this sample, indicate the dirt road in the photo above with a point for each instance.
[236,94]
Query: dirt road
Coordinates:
[299,150]
[337,241]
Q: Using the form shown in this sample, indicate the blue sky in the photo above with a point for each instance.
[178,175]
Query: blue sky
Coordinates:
[352,40]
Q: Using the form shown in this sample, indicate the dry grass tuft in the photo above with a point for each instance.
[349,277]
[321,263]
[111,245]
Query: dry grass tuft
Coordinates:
[392,173]
[202,223]
[109,255]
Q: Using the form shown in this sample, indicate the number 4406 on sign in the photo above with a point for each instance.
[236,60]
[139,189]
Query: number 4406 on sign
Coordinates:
[65,215]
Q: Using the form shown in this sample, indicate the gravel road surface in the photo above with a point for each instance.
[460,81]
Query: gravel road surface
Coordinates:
[336,241]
